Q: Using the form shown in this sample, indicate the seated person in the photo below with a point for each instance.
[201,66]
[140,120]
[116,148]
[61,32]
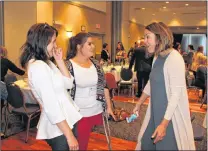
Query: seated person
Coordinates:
[201,75]
[6,64]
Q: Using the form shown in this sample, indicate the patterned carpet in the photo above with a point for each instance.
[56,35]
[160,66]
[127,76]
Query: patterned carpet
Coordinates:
[130,131]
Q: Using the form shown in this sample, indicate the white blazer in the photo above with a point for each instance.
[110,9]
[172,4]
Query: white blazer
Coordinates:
[49,87]
[178,104]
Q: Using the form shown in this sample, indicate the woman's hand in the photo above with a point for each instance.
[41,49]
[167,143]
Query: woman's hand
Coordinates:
[58,54]
[137,109]
[159,133]
[110,112]
[73,143]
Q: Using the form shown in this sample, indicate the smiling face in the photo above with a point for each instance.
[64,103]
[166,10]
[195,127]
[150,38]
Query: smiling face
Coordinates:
[51,46]
[150,41]
[87,48]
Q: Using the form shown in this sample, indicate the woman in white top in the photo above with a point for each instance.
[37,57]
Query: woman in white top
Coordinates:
[89,90]
[49,85]
[167,123]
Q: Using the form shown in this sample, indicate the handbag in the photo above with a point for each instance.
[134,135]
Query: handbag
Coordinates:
[120,114]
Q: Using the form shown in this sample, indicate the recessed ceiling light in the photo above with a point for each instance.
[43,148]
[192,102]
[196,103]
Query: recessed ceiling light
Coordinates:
[164,7]
[153,14]
[143,8]
[167,2]
[187,4]
[174,13]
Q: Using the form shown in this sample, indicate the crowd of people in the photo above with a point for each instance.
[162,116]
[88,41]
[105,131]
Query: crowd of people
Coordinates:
[71,105]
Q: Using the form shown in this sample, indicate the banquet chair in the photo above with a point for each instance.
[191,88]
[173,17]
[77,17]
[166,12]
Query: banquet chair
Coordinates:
[126,80]
[10,78]
[190,80]
[111,83]
[17,101]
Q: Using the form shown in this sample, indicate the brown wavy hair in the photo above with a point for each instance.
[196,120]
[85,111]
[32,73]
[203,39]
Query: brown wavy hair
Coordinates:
[164,36]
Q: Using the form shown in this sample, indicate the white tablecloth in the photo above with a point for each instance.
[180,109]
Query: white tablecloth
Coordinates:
[117,72]
[29,98]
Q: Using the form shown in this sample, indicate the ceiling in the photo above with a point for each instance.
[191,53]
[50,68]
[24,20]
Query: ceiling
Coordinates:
[176,13]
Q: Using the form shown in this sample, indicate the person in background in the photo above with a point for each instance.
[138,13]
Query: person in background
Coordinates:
[131,51]
[190,56]
[167,123]
[121,54]
[201,75]
[6,64]
[89,91]
[105,54]
[197,59]
[59,113]
[143,62]
[177,47]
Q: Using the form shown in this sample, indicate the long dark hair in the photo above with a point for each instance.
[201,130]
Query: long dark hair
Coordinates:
[79,39]
[38,38]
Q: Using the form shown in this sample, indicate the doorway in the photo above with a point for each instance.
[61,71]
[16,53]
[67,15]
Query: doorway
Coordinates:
[98,42]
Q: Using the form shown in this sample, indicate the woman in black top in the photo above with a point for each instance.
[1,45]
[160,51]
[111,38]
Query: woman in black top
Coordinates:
[105,54]
[6,64]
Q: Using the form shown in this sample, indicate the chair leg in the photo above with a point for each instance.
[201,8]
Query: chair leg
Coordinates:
[118,90]
[28,127]
[6,121]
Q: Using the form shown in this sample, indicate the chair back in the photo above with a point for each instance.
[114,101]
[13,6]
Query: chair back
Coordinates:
[15,96]
[126,74]
[10,78]
[110,80]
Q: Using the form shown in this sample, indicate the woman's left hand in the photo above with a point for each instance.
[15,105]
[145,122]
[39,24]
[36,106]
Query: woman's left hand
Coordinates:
[159,133]
[110,112]
[58,54]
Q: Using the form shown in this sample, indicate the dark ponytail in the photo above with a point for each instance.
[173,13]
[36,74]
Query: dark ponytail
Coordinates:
[72,48]
[79,39]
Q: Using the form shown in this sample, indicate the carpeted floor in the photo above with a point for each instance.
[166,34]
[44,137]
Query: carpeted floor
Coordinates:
[130,131]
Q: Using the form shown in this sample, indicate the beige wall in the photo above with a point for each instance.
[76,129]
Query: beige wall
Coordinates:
[107,37]
[125,25]
[101,6]
[18,18]
[45,12]
[71,17]
[136,32]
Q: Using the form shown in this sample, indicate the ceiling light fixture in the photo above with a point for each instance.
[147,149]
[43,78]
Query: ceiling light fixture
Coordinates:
[197,28]
[143,8]
[187,4]
[174,13]
[167,2]
[164,7]
[153,14]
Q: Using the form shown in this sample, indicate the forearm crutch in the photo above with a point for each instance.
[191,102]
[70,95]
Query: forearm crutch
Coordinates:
[107,129]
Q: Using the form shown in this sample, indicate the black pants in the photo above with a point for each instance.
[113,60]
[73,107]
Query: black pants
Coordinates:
[142,78]
[59,143]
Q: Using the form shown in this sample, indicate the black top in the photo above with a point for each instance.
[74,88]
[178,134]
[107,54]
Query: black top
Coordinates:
[141,61]
[7,64]
[104,55]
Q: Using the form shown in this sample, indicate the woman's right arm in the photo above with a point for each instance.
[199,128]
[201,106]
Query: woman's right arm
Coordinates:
[43,84]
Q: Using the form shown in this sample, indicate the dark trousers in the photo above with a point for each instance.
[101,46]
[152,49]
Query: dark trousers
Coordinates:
[142,78]
[59,143]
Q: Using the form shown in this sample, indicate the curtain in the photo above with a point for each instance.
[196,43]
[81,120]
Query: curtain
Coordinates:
[177,38]
[194,39]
